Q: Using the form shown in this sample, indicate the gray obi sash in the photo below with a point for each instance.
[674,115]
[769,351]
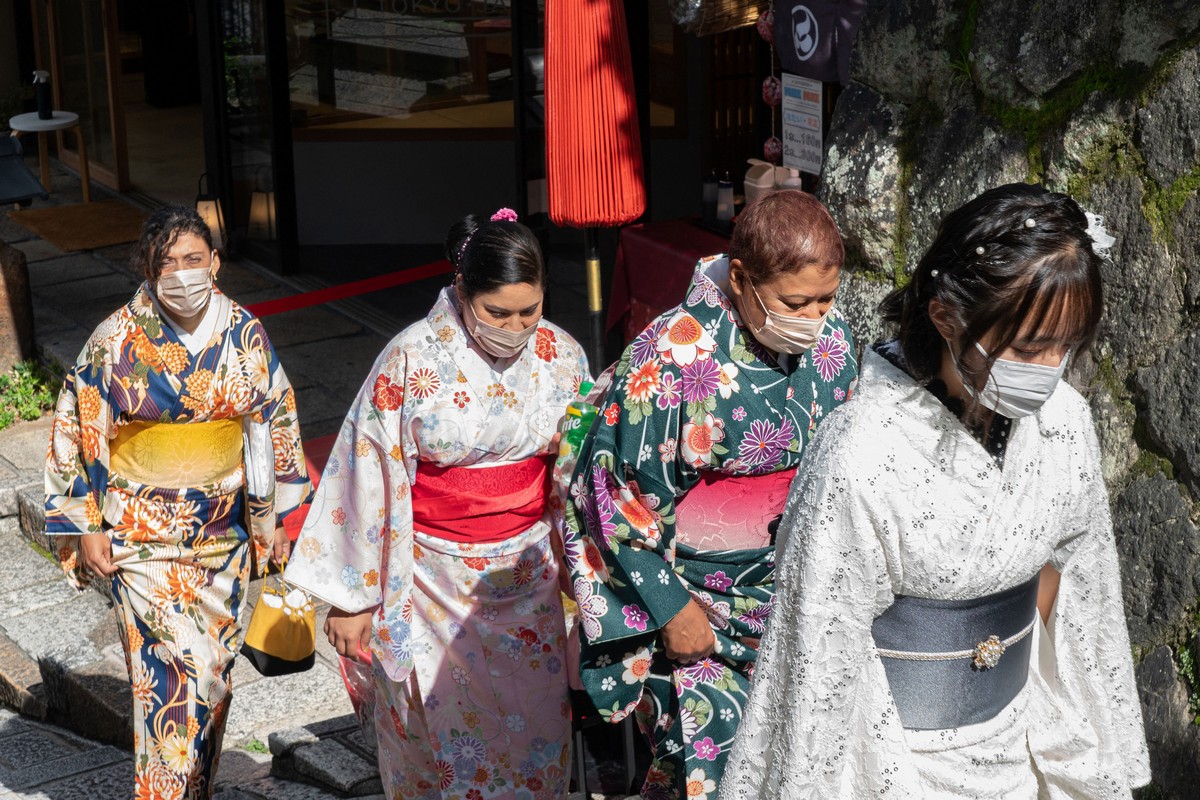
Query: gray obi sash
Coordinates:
[951,663]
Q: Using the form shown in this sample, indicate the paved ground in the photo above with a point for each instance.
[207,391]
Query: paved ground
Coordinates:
[60,661]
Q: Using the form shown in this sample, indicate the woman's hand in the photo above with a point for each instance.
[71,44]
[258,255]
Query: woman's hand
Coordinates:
[95,554]
[281,547]
[688,637]
[349,632]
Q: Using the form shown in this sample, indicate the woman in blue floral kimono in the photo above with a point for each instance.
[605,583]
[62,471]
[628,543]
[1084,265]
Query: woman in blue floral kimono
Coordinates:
[175,443]
[678,488]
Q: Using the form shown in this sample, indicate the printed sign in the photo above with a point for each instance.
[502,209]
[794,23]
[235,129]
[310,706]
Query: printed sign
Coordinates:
[802,124]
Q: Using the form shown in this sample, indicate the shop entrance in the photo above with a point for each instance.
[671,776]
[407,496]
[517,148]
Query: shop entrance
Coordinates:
[160,98]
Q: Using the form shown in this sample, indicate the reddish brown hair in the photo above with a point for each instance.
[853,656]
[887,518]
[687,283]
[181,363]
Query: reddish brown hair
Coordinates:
[786,232]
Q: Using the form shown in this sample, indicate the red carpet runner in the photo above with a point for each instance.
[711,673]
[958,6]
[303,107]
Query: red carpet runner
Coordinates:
[316,451]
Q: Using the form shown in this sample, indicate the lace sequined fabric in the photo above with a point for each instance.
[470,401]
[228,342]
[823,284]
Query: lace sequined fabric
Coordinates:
[896,497]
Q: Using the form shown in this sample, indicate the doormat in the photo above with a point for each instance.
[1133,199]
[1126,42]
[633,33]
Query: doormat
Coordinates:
[84,226]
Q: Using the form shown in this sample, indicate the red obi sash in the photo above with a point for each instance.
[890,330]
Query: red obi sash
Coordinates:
[480,504]
[731,512]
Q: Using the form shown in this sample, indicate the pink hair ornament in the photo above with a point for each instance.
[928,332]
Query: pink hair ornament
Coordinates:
[504,215]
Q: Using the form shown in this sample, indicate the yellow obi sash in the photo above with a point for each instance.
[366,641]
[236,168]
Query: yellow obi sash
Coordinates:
[177,455]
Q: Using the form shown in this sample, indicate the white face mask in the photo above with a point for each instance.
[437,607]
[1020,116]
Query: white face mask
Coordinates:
[1015,389]
[187,291]
[785,334]
[497,342]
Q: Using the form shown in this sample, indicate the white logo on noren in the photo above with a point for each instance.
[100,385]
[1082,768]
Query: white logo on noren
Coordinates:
[805,34]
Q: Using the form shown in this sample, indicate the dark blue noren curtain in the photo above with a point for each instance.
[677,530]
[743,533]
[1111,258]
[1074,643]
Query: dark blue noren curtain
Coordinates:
[814,37]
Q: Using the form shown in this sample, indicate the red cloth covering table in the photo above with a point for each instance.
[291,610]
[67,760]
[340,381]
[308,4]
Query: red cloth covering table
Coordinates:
[654,266]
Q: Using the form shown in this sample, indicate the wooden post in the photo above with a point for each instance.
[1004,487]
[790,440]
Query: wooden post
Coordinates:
[16,327]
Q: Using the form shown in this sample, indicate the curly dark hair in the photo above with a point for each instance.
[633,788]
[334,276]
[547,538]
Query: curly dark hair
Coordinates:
[161,231]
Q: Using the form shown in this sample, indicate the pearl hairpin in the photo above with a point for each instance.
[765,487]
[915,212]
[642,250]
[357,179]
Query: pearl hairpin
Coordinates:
[1029,223]
[979,250]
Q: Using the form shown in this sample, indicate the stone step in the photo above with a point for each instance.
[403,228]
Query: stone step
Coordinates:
[20,681]
[330,754]
[22,453]
[38,760]
[61,658]
[31,509]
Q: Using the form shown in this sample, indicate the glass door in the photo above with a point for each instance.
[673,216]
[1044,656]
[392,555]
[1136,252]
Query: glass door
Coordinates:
[251,131]
[77,40]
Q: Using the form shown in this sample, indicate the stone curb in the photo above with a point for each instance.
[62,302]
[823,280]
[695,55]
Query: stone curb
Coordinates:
[20,681]
[31,505]
[330,754]
[10,492]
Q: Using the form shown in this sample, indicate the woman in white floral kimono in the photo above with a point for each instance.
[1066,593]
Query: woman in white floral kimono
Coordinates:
[175,443]
[906,655]
[430,533]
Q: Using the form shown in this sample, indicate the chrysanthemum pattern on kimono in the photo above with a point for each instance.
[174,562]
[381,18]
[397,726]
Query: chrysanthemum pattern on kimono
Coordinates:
[149,446]
[693,398]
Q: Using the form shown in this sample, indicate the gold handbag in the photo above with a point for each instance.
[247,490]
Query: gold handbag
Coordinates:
[282,635]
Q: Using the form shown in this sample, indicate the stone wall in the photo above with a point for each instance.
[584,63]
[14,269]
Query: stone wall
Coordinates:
[1099,99]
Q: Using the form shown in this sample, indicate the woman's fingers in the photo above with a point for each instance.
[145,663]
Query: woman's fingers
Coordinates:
[364,640]
[98,558]
[280,546]
[349,635]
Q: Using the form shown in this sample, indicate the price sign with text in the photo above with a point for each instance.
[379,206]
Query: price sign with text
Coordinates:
[802,124]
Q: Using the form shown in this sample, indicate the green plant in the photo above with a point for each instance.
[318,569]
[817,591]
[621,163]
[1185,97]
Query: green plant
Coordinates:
[959,46]
[1187,659]
[256,746]
[25,393]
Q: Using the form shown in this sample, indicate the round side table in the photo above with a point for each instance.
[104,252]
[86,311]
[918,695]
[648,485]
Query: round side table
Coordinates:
[62,120]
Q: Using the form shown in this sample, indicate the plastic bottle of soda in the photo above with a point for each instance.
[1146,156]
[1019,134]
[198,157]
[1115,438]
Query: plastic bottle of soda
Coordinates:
[575,426]
[577,423]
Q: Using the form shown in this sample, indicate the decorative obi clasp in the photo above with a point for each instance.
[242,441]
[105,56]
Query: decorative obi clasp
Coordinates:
[937,685]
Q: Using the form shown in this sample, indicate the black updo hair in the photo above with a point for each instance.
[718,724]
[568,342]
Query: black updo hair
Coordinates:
[489,255]
[161,231]
[992,271]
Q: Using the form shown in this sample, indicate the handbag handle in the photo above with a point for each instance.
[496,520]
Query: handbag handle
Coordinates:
[279,569]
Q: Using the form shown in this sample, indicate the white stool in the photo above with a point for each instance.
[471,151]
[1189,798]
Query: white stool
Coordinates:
[62,120]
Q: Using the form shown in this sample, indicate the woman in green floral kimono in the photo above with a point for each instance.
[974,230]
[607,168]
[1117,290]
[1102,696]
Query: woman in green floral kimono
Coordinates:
[678,489]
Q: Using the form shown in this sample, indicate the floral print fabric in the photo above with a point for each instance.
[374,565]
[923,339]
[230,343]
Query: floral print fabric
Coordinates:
[692,396]
[897,498]
[182,551]
[435,398]
[484,713]
[178,623]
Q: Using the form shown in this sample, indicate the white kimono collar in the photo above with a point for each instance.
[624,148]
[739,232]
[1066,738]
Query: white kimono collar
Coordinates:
[890,385]
[445,310]
[219,307]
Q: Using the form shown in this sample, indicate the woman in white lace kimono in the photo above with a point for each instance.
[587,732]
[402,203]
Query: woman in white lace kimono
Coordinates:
[430,533]
[906,656]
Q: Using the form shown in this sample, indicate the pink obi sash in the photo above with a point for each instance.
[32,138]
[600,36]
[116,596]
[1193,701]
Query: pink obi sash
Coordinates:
[480,504]
[731,512]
